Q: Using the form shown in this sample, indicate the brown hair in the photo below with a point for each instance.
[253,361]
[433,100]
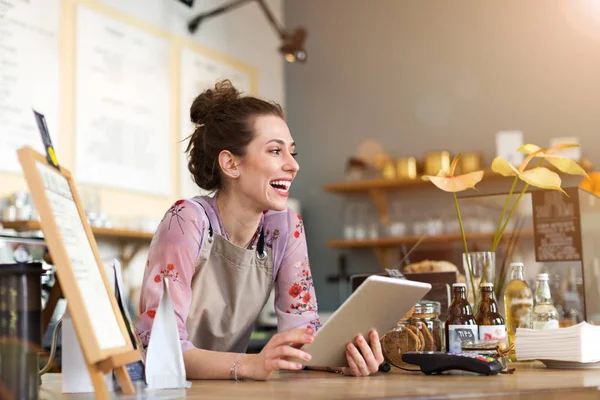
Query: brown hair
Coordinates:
[223,121]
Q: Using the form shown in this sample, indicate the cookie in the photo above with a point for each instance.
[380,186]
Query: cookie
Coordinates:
[429,340]
[397,342]
[417,332]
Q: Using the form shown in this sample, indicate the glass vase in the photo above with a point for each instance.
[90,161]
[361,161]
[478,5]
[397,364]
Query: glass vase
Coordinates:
[483,267]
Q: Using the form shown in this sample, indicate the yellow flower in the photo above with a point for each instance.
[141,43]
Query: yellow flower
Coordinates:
[591,183]
[450,183]
[540,176]
[563,164]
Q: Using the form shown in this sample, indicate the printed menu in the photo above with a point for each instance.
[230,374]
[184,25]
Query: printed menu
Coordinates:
[556,225]
[80,253]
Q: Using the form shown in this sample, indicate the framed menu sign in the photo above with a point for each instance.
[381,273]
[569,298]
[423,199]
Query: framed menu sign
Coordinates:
[557,225]
[99,324]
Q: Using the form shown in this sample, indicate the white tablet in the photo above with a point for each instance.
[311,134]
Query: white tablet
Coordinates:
[378,303]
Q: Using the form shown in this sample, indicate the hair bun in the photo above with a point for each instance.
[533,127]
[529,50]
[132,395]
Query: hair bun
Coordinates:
[223,93]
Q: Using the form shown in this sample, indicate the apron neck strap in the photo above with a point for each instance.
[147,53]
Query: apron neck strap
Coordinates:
[261,254]
[260,247]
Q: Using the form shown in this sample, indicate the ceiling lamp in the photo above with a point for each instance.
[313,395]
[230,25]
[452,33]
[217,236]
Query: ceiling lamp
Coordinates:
[292,43]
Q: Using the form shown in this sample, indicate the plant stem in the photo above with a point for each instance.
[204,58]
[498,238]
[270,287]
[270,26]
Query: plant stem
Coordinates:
[498,235]
[513,210]
[464,238]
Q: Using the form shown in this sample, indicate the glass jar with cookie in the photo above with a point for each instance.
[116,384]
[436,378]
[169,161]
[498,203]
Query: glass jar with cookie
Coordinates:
[425,318]
[399,340]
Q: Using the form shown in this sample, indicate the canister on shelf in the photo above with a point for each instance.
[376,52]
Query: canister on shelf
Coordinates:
[388,170]
[406,168]
[469,162]
[437,161]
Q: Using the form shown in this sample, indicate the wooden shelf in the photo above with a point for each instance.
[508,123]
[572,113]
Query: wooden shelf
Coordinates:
[101,233]
[400,240]
[130,242]
[389,184]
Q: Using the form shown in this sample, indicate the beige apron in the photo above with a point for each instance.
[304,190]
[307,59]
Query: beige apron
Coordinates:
[229,289]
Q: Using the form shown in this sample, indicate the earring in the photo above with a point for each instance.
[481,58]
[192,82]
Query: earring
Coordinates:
[235,173]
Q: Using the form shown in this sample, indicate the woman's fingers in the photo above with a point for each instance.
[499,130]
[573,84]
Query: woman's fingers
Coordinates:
[358,358]
[352,366]
[293,336]
[367,354]
[285,351]
[376,348]
[284,364]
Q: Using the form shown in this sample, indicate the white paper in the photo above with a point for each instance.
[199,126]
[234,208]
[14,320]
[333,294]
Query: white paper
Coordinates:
[164,359]
[75,375]
[199,72]
[507,145]
[123,96]
[29,75]
[573,153]
[95,296]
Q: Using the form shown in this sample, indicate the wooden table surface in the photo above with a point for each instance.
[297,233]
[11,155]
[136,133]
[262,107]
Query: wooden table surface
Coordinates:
[530,381]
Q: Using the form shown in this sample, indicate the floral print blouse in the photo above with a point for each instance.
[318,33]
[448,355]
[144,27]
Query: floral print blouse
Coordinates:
[176,247]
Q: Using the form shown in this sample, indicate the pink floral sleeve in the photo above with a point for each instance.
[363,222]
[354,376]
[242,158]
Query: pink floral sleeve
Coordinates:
[295,300]
[172,255]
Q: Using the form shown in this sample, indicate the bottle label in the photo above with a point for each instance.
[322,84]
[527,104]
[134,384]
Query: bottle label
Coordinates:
[457,334]
[519,301]
[553,324]
[493,332]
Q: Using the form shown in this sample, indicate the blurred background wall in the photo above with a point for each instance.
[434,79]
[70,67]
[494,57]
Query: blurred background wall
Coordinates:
[429,75]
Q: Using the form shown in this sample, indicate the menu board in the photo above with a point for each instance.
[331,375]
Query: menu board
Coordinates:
[83,263]
[29,74]
[124,101]
[556,225]
[197,73]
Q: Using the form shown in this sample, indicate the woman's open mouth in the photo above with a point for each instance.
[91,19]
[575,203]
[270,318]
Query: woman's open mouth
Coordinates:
[282,187]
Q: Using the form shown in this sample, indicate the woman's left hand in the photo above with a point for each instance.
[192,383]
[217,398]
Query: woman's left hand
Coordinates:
[364,358]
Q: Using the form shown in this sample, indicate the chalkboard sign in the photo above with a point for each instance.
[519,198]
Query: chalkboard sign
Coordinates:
[104,340]
[557,225]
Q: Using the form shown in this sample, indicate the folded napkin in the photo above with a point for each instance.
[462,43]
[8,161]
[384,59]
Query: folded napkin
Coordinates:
[164,359]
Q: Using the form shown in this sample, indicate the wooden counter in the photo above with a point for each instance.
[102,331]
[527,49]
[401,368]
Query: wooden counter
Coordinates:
[530,381]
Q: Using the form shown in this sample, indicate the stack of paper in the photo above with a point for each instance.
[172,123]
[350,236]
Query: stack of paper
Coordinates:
[579,343]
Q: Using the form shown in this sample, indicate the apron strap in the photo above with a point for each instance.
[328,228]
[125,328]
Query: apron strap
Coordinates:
[261,254]
[210,228]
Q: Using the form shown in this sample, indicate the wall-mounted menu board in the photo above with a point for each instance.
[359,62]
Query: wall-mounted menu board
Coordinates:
[100,327]
[556,225]
[124,95]
[199,71]
[29,74]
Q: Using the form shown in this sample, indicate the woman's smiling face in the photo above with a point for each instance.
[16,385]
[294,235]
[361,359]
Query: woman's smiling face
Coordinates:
[267,170]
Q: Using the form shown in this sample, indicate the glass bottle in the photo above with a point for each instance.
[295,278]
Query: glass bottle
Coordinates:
[544,315]
[489,320]
[518,303]
[460,324]
[571,300]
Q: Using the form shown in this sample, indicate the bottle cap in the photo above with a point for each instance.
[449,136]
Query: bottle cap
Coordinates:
[542,277]
[461,285]
[487,285]
[517,264]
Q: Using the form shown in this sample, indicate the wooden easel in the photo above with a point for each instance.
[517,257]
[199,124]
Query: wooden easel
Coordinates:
[99,325]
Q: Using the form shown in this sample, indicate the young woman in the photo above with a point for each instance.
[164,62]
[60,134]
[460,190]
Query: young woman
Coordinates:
[223,254]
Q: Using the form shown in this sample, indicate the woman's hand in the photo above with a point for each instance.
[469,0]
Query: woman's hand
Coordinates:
[276,353]
[363,359]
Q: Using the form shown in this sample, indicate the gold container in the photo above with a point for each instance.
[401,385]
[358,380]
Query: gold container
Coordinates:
[388,170]
[469,162]
[406,168]
[437,161]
